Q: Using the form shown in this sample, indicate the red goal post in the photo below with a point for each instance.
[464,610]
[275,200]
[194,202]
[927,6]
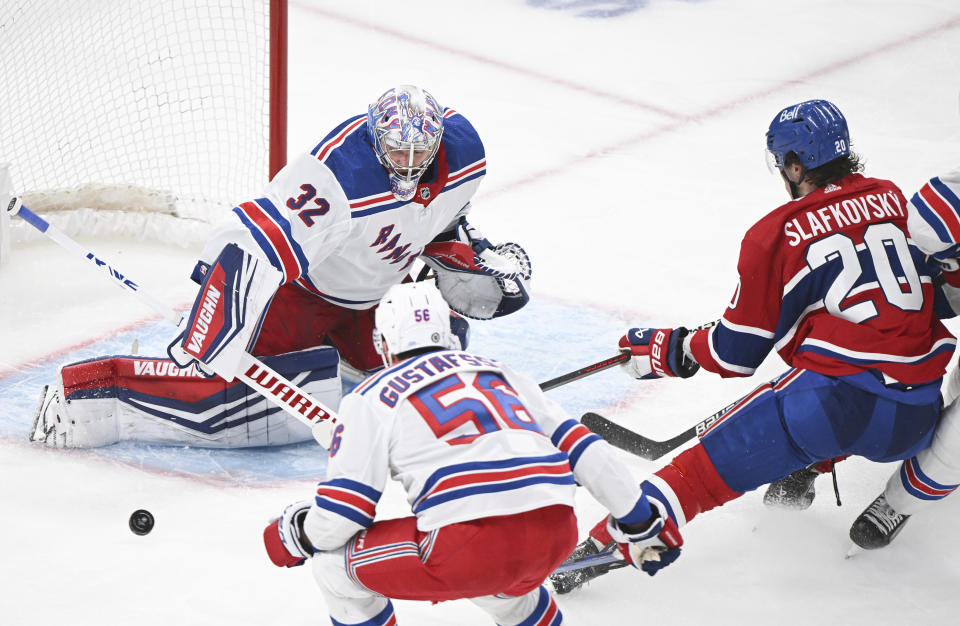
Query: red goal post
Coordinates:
[145,118]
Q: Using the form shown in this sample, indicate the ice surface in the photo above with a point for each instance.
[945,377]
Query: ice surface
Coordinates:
[624,146]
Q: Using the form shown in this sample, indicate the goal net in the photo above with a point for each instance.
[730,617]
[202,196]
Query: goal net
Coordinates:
[148,118]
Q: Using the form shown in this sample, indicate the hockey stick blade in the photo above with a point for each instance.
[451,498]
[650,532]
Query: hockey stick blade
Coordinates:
[634,443]
[644,447]
[583,372]
[602,558]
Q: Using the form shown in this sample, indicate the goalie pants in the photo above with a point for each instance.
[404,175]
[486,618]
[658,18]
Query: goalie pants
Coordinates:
[297,319]
[499,563]
[800,418]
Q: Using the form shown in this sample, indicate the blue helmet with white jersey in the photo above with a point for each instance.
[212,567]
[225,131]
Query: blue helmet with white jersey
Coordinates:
[815,131]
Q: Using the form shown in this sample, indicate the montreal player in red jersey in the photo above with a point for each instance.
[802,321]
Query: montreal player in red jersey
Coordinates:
[832,282]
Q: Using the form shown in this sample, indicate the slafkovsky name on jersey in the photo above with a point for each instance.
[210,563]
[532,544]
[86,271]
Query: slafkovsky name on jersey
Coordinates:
[845,213]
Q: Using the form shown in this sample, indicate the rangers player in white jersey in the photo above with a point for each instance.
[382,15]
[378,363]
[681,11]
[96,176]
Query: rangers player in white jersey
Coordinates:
[489,466]
[933,474]
[296,274]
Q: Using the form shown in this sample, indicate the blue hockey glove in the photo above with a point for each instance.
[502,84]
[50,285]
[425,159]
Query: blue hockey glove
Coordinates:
[652,546]
[657,352]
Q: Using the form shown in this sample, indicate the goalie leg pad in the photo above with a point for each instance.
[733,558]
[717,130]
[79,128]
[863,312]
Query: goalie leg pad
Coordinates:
[151,400]
[62,424]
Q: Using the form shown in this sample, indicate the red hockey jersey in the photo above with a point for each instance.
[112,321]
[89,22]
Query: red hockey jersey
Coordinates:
[833,282]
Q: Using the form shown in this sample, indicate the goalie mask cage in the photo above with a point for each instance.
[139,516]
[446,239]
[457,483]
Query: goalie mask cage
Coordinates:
[149,118]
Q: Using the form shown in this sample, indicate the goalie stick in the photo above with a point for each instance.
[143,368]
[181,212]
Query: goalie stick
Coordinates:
[256,374]
[644,447]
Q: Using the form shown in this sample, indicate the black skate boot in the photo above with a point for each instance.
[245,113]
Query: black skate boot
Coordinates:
[565,582]
[877,525]
[796,491]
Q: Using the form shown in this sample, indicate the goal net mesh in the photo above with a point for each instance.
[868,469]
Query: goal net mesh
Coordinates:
[135,117]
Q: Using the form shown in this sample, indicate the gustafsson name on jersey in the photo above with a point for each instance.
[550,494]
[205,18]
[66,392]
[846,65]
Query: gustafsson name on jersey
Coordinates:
[849,212]
[426,368]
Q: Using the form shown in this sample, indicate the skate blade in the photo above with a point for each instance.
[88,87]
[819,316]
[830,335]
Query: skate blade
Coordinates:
[34,435]
[853,551]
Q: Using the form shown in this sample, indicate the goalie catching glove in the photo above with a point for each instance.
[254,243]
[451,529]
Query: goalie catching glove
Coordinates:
[286,543]
[226,316]
[650,546]
[481,285]
[657,352]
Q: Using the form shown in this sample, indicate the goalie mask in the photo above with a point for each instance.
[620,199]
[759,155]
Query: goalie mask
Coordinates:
[405,126]
[412,316]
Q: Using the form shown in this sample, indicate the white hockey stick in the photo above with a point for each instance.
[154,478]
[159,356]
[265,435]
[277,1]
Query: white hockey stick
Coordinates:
[256,374]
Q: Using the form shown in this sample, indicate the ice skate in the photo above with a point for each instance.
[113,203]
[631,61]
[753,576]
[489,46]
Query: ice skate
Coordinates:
[877,526]
[796,491]
[565,582]
[46,427]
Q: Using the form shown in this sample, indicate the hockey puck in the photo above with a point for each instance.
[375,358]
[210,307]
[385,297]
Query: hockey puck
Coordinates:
[141,522]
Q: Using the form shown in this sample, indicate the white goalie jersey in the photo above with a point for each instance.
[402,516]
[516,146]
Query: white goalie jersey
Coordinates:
[467,438]
[330,222]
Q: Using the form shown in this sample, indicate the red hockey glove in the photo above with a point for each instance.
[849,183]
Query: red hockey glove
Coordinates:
[286,543]
[657,352]
[653,546]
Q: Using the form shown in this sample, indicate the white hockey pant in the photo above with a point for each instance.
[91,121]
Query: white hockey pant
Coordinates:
[351,604]
[934,473]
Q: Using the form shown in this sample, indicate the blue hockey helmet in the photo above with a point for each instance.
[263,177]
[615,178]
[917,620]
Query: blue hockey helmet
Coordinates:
[815,131]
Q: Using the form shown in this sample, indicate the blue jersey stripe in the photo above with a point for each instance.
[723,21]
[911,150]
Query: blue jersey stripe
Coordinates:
[447,496]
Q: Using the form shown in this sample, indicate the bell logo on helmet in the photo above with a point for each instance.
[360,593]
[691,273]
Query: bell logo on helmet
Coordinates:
[789,114]
[815,131]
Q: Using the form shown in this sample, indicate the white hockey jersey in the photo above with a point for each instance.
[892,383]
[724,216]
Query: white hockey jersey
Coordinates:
[329,221]
[467,438]
[933,217]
